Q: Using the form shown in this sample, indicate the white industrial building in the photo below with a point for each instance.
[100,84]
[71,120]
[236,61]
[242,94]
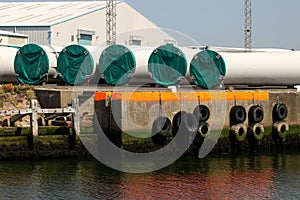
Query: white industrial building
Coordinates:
[78,22]
[14,39]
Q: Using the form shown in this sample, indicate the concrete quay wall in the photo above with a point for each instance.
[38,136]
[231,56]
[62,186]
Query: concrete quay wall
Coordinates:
[134,113]
[137,111]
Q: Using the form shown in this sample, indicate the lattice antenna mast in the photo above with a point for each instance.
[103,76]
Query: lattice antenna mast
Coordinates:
[111,22]
[248,24]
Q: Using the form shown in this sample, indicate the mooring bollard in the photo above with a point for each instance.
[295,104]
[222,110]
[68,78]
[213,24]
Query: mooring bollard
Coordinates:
[34,118]
[75,116]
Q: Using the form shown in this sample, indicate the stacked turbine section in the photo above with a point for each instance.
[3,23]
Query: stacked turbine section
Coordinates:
[207,69]
[117,65]
[273,68]
[166,65]
[33,63]
[75,65]
[7,72]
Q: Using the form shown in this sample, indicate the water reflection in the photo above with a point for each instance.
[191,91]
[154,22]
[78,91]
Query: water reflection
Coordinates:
[222,177]
[218,178]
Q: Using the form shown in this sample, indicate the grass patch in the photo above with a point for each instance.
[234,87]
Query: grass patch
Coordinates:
[13,140]
[48,140]
[294,129]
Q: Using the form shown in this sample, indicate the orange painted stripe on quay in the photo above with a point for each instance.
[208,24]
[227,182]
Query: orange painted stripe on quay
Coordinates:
[248,95]
[184,96]
[100,96]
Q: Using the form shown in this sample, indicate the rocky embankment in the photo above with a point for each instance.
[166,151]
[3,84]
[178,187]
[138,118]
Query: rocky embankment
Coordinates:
[14,98]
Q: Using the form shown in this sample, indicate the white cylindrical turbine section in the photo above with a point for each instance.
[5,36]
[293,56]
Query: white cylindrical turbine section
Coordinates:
[7,72]
[263,68]
[243,50]
[190,54]
[142,54]
[141,75]
[96,52]
[52,53]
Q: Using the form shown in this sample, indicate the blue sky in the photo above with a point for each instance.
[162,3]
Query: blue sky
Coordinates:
[276,23]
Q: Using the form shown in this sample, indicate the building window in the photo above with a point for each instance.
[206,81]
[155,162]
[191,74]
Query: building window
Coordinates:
[135,40]
[85,37]
[72,38]
[170,42]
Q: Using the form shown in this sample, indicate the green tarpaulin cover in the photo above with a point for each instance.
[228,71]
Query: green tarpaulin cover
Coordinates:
[168,65]
[75,64]
[31,64]
[117,64]
[207,69]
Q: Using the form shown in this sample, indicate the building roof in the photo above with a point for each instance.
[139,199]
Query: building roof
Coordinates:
[7,33]
[45,13]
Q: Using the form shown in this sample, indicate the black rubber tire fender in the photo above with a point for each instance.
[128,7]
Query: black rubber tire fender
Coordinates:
[159,139]
[257,130]
[280,112]
[203,129]
[237,115]
[176,122]
[160,128]
[189,122]
[177,118]
[281,128]
[239,131]
[202,113]
[162,125]
[256,114]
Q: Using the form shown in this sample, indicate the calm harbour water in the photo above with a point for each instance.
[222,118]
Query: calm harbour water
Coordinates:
[272,176]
